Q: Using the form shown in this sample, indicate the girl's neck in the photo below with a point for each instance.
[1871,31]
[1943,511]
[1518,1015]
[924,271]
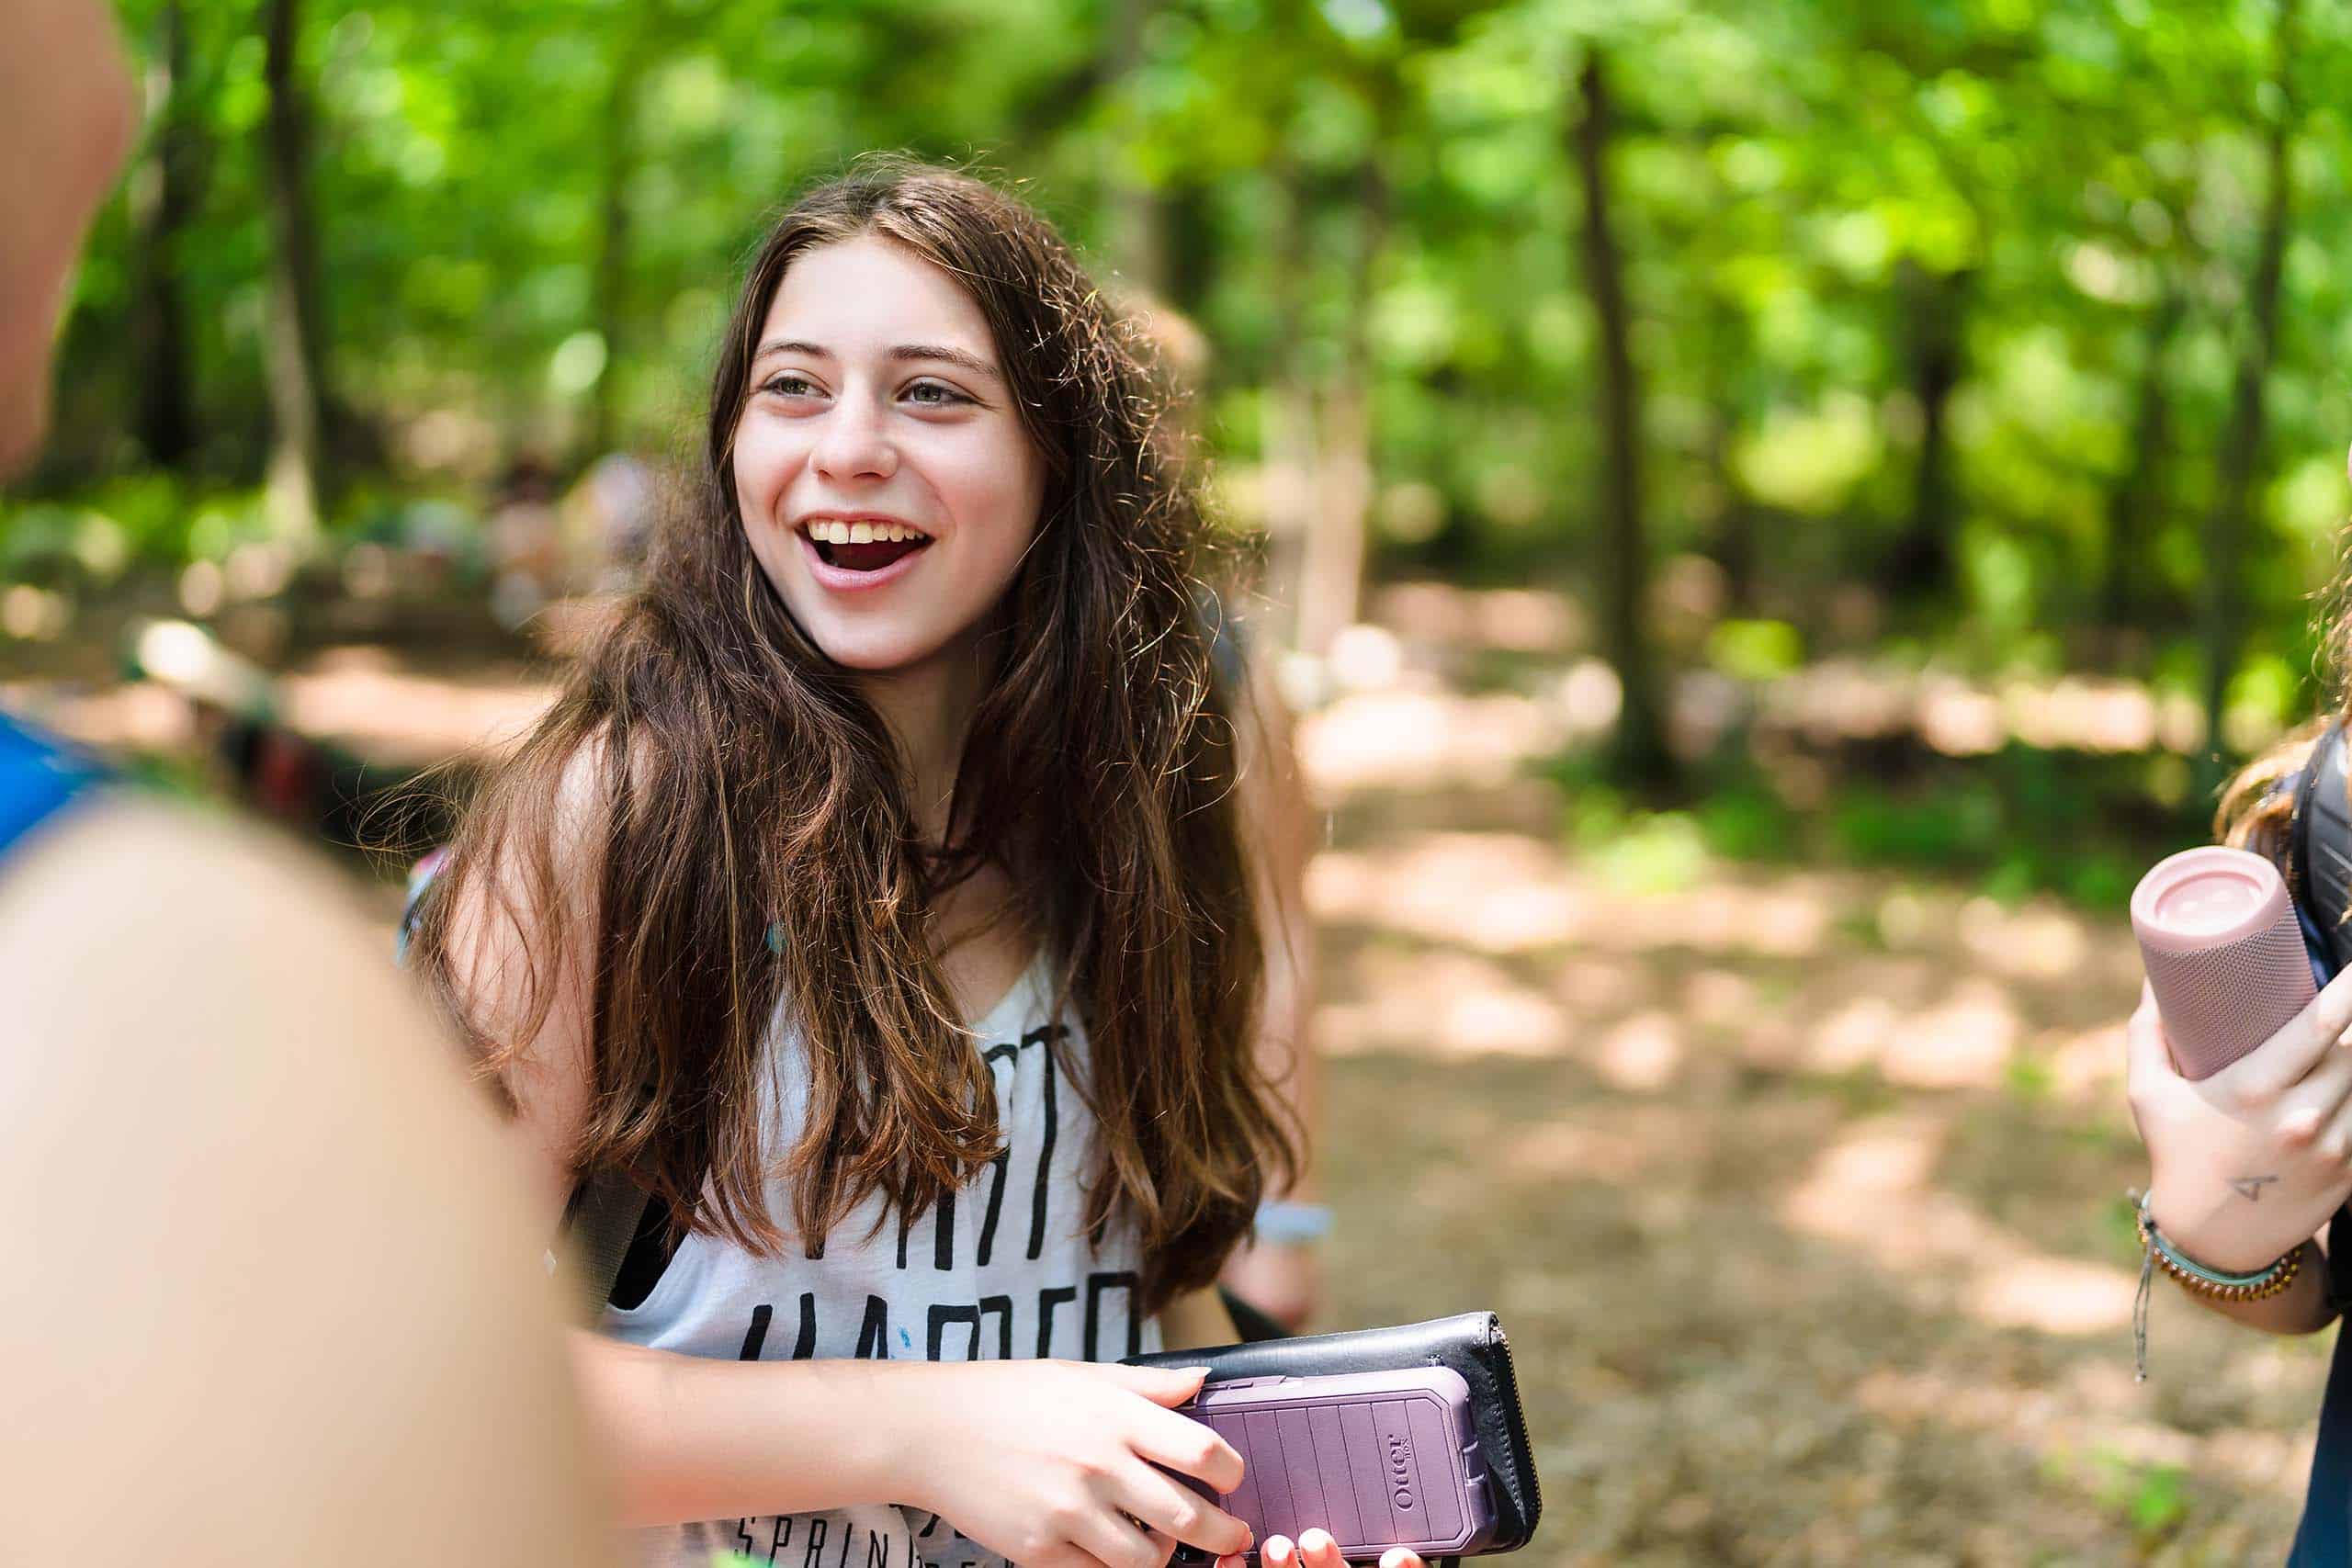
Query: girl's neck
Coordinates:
[928,708]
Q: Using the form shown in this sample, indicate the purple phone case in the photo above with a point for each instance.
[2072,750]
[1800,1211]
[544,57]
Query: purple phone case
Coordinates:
[1376,1458]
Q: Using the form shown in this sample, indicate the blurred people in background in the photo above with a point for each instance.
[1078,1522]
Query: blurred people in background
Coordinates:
[526,554]
[273,1297]
[1274,1284]
[613,510]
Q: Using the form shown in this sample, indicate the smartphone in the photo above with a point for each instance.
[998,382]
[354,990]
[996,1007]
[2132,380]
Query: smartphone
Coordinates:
[1376,1458]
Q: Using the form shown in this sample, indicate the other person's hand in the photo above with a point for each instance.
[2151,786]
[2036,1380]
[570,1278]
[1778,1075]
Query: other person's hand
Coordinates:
[1316,1549]
[2254,1160]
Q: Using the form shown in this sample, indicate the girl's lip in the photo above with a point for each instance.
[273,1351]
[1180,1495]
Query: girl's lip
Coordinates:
[841,579]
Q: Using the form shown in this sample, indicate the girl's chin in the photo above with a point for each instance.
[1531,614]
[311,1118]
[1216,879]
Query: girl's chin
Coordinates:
[875,651]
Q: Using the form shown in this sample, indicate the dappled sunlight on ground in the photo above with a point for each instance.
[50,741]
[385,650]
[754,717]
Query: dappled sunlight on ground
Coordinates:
[359,698]
[1423,739]
[1871,1191]
[365,702]
[1841,699]
[1505,893]
[1801,1191]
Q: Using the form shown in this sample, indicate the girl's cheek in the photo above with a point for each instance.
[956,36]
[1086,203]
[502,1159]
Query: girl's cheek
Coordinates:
[762,469]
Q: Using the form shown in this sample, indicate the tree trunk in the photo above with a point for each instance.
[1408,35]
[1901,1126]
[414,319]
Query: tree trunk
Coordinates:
[300,482]
[1190,245]
[1289,443]
[1331,581]
[1733,529]
[1934,305]
[1641,755]
[2136,504]
[1138,240]
[618,163]
[2231,521]
[162,200]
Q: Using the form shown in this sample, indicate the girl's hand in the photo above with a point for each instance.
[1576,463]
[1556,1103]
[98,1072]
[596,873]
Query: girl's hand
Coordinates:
[1051,1464]
[2251,1162]
[1316,1549]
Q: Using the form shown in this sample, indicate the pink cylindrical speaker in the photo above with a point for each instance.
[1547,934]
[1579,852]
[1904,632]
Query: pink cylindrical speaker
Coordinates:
[2223,954]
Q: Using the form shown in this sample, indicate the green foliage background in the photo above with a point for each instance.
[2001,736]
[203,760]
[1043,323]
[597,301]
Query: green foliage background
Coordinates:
[1335,192]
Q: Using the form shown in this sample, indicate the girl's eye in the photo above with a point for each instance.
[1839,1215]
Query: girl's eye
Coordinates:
[939,397]
[786,385]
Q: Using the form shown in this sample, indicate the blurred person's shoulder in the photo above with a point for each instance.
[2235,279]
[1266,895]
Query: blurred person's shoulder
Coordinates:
[129,922]
[237,1149]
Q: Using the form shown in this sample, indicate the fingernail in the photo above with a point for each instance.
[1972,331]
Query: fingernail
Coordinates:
[1277,1549]
[1395,1557]
[1315,1541]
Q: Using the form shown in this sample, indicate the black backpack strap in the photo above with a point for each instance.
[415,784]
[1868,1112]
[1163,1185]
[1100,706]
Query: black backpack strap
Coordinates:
[607,1211]
[1249,1322]
[2319,852]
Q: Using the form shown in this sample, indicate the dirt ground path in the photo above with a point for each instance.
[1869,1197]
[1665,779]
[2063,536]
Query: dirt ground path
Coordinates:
[1801,1193]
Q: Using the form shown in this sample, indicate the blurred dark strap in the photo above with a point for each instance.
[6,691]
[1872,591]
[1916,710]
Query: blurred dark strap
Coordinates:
[1248,1321]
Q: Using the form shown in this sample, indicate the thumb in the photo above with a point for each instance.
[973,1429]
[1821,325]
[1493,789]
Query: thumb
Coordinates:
[2147,1057]
[1170,1386]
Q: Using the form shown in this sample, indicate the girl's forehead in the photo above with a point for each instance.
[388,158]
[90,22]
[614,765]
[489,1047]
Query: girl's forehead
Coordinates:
[868,293]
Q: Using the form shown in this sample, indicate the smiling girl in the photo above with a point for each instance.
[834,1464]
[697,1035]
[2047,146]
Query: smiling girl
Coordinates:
[878,897]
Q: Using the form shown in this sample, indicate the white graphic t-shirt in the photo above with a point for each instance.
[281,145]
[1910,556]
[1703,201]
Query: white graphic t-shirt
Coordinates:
[999,1270]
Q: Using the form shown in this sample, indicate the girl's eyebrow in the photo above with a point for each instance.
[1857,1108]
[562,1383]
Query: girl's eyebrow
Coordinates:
[905,351]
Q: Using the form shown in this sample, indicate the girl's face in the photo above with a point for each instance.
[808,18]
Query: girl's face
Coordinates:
[887,485]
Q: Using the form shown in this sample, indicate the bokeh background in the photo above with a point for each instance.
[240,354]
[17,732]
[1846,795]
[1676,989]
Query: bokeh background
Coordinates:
[1770,514]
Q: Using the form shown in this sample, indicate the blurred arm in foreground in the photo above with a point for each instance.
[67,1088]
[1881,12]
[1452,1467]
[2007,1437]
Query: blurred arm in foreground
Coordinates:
[275,1300]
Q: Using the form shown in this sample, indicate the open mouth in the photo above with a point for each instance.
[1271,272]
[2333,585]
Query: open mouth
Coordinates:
[863,546]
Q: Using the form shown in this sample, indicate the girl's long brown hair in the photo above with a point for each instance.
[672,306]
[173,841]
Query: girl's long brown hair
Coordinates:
[752,850]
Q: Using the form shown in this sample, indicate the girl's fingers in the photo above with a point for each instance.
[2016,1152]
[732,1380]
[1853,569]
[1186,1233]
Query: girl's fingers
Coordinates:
[1188,1447]
[2334,1138]
[2313,1103]
[2284,1060]
[1401,1557]
[1164,1508]
[1161,1385]
[1115,1540]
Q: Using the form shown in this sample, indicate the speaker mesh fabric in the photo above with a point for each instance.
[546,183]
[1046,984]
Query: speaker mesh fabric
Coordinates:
[2221,1002]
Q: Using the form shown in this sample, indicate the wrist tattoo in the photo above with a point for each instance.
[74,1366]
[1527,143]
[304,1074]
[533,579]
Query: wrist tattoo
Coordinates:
[2250,1187]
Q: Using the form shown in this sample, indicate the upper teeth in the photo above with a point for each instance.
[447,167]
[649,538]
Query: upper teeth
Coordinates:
[832,531]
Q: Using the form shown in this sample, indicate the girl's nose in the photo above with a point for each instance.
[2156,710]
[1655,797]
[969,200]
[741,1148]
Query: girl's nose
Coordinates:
[852,445]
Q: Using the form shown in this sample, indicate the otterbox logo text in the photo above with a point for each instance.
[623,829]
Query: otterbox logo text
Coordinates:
[1400,1471]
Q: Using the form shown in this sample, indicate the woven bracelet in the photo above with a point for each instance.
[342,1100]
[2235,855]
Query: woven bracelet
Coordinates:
[2157,1252]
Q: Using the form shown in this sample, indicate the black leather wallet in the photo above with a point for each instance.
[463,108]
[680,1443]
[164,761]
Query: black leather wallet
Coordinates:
[1471,1344]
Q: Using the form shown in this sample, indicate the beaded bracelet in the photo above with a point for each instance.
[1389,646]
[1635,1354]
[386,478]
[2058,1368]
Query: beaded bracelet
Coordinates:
[2157,1251]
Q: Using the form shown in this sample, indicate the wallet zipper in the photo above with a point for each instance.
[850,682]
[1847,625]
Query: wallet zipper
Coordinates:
[1519,1431]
